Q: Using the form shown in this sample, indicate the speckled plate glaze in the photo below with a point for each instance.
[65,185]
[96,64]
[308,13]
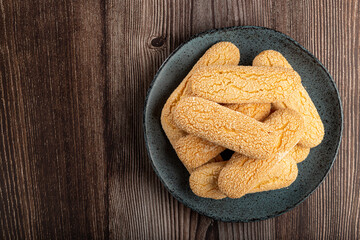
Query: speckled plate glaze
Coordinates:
[251,41]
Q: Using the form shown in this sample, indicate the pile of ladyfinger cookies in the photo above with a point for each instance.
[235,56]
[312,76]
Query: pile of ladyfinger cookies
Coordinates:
[261,112]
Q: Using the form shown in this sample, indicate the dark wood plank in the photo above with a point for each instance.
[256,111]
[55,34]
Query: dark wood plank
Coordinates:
[53,163]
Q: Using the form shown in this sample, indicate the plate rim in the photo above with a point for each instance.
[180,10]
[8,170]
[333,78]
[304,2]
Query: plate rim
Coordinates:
[234,28]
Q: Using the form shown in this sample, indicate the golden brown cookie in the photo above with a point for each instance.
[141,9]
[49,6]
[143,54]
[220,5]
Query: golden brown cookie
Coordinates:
[194,151]
[258,111]
[299,101]
[288,125]
[242,174]
[203,180]
[225,127]
[244,84]
[219,54]
[271,58]
[299,153]
[283,175]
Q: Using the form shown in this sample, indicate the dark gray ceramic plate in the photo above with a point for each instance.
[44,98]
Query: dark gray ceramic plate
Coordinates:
[251,41]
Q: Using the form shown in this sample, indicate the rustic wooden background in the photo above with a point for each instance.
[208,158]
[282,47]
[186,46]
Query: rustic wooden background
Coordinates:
[74,75]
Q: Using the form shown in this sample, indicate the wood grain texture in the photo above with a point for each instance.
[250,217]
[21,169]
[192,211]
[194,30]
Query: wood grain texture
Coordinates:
[53,160]
[74,75]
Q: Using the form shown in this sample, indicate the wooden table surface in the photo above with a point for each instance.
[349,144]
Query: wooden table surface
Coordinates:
[74,75]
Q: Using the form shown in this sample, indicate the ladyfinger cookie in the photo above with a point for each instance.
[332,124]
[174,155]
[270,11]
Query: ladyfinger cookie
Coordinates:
[299,101]
[203,181]
[241,175]
[282,175]
[221,53]
[299,153]
[258,111]
[244,84]
[288,125]
[225,127]
[271,58]
[194,151]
